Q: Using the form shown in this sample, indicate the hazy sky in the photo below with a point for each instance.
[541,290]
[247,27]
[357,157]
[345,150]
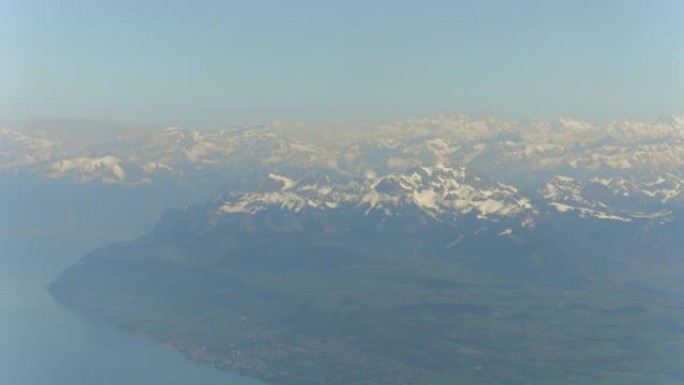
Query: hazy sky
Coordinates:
[218,63]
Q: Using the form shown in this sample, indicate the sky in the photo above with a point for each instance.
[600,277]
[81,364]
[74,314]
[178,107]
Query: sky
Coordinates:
[212,64]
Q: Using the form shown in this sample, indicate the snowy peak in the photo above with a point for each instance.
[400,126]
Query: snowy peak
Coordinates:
[19,149]
[613,198]
[83,169]
[442,190]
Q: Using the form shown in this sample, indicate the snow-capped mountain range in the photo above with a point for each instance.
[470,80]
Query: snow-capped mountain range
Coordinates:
[622,171]
[452,195]
[442,192]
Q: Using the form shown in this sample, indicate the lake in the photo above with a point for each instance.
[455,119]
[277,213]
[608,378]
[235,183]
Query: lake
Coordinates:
[42,342]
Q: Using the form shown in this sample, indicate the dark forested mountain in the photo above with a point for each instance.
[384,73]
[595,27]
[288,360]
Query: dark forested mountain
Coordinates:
[432,275]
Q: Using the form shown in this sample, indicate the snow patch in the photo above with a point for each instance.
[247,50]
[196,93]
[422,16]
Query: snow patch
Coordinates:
[287,182]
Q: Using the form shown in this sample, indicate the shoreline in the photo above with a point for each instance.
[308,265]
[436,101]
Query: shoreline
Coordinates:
[195,355]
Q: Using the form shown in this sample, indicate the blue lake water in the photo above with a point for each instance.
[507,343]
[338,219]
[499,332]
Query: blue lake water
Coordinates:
[43,343]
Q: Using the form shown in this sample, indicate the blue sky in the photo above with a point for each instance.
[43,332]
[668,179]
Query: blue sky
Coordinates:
[210,64]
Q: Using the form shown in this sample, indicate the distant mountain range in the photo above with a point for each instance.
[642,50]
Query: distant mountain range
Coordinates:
[514,152]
